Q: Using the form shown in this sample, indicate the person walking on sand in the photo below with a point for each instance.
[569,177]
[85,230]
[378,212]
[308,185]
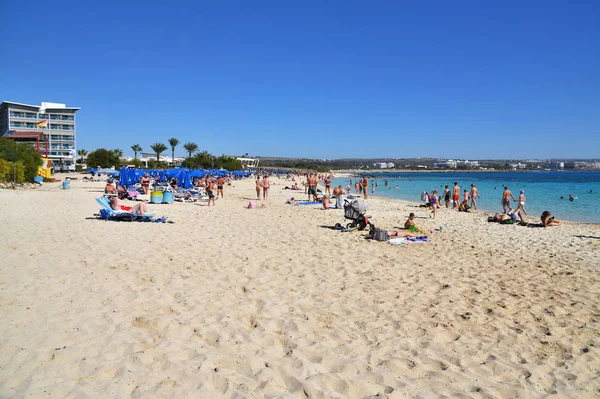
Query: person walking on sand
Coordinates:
[365,187]
[258,186]
[265,185]
[474,193]
[522,200]
[447,196]
[455,195]
[433,201]
[506,196]
[210,186]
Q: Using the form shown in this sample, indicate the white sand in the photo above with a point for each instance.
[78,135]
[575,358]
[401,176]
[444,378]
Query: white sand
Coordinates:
[272,302]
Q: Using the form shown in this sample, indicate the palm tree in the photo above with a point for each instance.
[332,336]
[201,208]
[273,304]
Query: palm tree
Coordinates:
[173,143]
[158,148]
[190,148]
[82,153]
[118,153]
[136,148]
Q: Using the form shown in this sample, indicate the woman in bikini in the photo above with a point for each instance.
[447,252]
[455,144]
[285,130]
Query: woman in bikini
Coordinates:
[145,182]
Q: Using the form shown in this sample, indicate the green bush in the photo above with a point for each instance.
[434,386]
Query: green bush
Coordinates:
[7,171]
[103,158]
[27,159]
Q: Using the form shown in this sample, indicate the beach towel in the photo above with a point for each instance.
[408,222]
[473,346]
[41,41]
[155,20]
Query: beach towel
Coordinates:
[398,241]
[418,239]
[308,203]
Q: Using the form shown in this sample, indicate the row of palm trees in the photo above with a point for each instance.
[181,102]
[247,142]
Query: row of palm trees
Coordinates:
[159,148]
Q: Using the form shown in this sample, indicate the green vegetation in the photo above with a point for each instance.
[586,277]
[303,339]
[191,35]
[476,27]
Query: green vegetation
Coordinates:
[20,157]
[103,158]
[207,161]
[158,148]
[136,148]
[190,148]
[173,142]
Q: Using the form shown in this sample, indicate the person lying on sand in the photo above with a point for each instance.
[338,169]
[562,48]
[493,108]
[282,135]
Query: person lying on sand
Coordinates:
[548,219]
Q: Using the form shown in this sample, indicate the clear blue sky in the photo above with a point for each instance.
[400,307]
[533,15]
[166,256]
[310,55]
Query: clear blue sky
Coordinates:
[315,79]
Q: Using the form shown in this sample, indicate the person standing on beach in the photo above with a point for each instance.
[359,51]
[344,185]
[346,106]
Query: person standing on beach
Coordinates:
[265,185]
[220,183]
[474,192]
[145,182]
[365,187]
[456,195]
[328,185]
[210,186]
[312,187]
[506,196]
[447,196]
[258,187]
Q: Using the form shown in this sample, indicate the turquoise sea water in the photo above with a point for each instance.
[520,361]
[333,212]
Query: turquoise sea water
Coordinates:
[542,189]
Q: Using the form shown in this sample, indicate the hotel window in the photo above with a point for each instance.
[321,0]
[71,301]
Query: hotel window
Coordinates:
[42,116]
[16,114]
[15,124]
[30,115]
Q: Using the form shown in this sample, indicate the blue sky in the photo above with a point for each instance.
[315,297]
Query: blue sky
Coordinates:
[315,79]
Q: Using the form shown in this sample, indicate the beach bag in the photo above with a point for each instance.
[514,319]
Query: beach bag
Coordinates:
[252,205]
[424,196]
[379,234]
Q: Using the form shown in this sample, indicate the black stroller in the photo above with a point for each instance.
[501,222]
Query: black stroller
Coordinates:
[355,211]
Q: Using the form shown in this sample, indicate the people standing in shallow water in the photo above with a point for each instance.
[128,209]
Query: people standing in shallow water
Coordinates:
[474,193]
[456,195]
[521,205]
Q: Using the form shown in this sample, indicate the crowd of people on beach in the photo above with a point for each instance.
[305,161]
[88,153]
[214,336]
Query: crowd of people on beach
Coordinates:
[465,202]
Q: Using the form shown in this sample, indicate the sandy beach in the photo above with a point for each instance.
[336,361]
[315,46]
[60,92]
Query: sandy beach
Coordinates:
[274,302]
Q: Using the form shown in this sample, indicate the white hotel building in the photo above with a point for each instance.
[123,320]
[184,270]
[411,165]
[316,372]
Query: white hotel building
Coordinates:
[58,136]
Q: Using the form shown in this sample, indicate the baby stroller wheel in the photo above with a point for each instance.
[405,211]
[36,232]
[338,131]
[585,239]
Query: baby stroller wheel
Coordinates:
[350,225]
[362,224]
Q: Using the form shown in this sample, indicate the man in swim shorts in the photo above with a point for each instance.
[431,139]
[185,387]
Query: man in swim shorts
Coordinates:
[447,196]
[312,187]
[456,195]
[506,196]
[220,184]
[210,186]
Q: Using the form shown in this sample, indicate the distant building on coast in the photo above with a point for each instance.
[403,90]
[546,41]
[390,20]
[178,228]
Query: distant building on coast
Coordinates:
[556,165]
[383,165]
[50,126]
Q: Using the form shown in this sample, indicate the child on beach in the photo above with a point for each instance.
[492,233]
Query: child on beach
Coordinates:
[434,203]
